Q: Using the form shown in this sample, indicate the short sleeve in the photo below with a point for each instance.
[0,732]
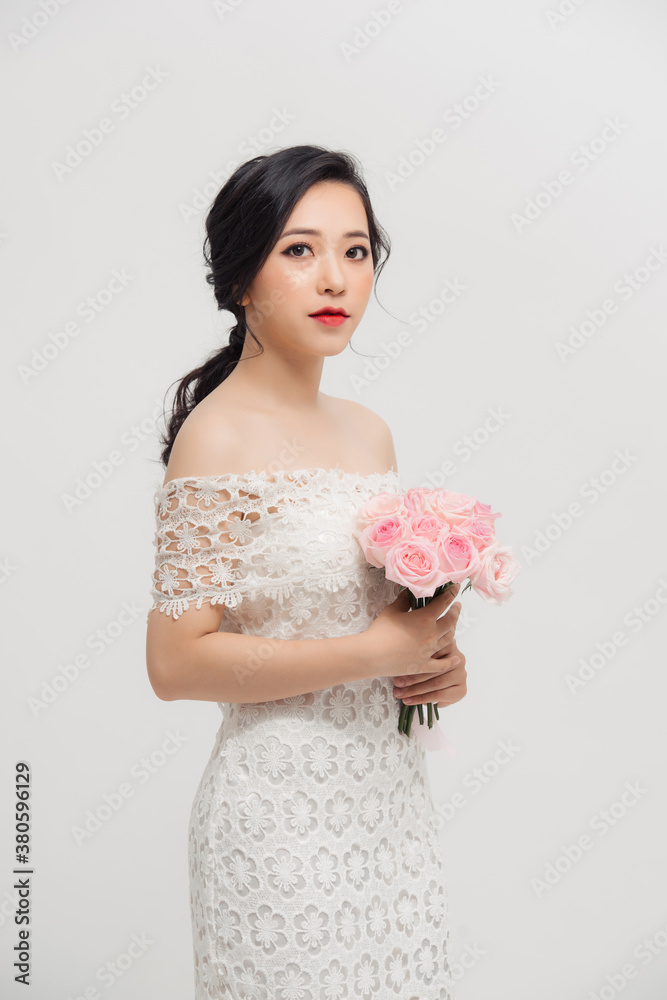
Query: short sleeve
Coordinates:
[198,540]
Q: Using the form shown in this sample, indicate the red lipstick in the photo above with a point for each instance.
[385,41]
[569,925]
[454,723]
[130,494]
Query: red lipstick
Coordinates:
[330,316]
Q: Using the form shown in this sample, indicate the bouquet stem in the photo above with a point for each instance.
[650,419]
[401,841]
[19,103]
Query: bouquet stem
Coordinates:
[407,711]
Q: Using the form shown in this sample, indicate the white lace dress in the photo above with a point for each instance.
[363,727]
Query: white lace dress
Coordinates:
[315,864]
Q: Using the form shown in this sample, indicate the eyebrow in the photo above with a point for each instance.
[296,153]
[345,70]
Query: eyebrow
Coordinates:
[316,232]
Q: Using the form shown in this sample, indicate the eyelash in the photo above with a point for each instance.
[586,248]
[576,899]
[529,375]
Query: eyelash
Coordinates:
[302,244]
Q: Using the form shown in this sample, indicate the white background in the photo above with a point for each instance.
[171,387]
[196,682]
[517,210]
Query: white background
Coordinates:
[131,205]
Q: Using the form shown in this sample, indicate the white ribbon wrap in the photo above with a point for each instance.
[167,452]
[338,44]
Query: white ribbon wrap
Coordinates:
[434,738]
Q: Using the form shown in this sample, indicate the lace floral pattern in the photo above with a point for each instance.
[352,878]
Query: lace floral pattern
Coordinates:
[315,864]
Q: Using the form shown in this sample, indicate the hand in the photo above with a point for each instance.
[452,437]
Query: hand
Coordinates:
[443,688]
[401,642]
[448,684]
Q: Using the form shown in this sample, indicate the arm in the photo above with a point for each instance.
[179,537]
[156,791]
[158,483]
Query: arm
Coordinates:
[199,544]
[189,659]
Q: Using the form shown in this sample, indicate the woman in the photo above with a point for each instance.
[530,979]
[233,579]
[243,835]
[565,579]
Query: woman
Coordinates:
[315,864]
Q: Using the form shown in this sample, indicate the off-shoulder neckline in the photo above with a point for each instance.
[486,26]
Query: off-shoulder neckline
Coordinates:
[264,476]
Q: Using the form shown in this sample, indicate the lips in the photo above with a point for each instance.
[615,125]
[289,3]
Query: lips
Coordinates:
[329,312]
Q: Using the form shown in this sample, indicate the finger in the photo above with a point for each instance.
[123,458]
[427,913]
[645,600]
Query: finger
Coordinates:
[451,616]
[442,697]
[405,682]
[435,683]
[446,664]
[446,648]
[448,625]
[448,595]
[442,602]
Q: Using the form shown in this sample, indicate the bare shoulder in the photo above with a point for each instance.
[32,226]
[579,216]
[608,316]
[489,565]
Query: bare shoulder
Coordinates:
[208,443]
[374,429]
[368,419]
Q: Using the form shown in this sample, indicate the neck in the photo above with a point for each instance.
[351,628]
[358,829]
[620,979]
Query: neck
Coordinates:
[277,382]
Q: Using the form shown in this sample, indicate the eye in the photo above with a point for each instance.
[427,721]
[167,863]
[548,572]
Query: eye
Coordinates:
[366,252]
[298,256]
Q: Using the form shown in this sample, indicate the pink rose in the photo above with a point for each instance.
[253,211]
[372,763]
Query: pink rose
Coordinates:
[426,527]
[484,513]
[377,537]
[498,568]
[415,565]
[378,507]
[454,507]
[416,500]
[480,532]
[458,555]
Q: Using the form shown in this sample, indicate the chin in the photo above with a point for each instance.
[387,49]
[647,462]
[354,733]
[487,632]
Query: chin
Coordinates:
[333,349]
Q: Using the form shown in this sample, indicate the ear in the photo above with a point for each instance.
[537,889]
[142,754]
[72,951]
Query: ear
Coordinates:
[246,297]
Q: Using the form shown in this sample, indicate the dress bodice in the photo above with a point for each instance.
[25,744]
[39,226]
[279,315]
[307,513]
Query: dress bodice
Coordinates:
[279,551]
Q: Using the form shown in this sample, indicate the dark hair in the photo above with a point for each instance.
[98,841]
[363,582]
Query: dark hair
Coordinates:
[242,227]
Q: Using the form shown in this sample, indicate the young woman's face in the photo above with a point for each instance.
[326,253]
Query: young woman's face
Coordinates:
[328,267]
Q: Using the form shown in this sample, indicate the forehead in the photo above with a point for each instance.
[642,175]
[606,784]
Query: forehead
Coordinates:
[329,203]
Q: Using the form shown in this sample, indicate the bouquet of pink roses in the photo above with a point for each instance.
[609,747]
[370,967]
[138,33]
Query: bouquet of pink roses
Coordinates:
[428,540]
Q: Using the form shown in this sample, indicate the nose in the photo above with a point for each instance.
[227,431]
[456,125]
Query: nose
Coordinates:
[330,276]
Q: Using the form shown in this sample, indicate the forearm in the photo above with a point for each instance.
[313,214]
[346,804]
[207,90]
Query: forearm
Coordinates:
[231,667]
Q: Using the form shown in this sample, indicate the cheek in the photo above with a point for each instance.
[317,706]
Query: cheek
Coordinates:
[289,277]
[276,280]
[365,282]
[273,293]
